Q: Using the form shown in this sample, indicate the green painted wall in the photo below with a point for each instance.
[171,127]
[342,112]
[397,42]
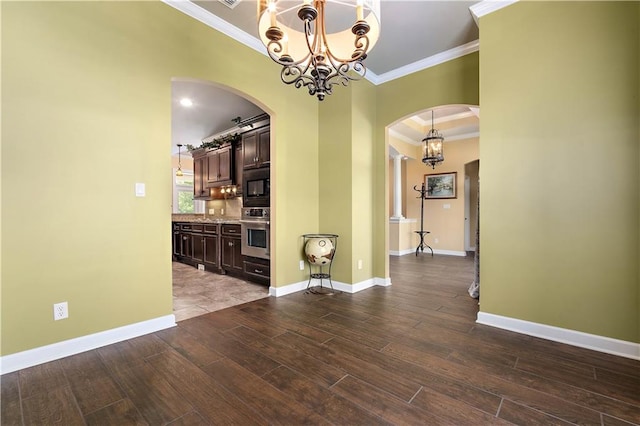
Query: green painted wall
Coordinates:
[454,82]
[347,171]
[86,113]
[560,168]
[335,180]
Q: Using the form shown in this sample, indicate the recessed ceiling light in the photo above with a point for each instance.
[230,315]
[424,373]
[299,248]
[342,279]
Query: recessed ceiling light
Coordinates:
[186,102]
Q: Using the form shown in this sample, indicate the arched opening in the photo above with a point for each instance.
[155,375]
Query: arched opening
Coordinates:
[208,244]
[443,215]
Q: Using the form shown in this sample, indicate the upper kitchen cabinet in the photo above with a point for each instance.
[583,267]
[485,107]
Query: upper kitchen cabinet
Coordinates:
[200,190]
[219,167]
[255,148]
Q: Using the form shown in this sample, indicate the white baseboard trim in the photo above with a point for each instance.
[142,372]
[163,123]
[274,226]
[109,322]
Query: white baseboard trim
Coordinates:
[427,251]
[401,252]
[347,288]
[31,357]
[570,337]
[449,252]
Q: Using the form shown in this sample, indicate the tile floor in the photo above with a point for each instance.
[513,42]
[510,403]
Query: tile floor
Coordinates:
[198,292]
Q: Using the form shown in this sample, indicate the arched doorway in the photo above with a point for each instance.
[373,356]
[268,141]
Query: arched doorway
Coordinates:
[206,277]
[444,217]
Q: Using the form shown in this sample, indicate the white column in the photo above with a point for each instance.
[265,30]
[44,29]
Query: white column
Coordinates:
[397,187]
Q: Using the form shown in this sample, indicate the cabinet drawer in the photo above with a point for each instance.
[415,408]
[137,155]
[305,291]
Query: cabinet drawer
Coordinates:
[231,229]
[210,229]
[197,227]
[185,227]
[256,269]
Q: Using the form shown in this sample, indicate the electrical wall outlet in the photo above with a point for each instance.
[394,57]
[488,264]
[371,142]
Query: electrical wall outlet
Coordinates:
[302,265]
[359,263]
[200,267]
[212,211]
[436,240]
[60,311]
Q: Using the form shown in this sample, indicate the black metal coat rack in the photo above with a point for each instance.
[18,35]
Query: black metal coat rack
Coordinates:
[422,232]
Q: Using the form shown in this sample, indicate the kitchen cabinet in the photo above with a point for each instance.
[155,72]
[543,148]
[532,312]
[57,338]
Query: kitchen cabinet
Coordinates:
[210,245]
[185,250]
[256,146]
[200,190]
[177,240]
[238,167]
[217,247]
[257,269]
[231,259]
[219,167]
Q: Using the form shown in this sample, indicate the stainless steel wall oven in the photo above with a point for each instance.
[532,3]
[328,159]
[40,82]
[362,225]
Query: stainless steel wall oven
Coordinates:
[254,226]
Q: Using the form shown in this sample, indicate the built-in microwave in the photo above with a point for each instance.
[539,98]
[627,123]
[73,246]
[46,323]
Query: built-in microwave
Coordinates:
[256,188]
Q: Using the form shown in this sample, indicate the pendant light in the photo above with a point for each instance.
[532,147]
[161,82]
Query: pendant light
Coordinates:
[432,149]
[179,171]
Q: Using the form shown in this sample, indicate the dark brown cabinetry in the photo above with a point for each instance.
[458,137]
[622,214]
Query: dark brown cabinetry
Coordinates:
[257,269]
[196,244]
[212,169]
[231,248]
[256,146]
[200,189]
[238,168]
[216,248]
[219,167]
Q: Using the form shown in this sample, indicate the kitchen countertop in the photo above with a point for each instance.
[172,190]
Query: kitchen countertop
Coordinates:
[196,218]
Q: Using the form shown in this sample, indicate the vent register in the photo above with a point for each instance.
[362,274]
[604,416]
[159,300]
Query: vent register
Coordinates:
[230,3]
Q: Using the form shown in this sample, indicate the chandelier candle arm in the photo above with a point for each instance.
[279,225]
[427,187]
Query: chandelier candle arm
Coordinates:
[310,56]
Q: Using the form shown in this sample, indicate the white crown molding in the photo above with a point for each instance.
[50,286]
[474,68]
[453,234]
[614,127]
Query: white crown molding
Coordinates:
[211,20]
[31,357]
[425,63]
[397,135]
[563,335]
[486,7]
[462,136]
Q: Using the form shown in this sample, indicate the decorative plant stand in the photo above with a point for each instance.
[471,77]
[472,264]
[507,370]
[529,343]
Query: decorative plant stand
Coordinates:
[422,232]
[319,250]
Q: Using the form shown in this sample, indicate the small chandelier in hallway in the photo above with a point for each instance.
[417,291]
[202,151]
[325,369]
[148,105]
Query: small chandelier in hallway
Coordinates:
[432,149]
[318,54]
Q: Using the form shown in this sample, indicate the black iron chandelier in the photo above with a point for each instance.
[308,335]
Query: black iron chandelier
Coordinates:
[432,149]
[312,56]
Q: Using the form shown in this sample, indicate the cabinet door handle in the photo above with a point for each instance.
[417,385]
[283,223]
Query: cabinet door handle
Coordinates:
[258,271]
[230,243]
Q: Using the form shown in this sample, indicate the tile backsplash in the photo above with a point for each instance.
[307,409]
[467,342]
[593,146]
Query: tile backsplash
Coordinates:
[232,208]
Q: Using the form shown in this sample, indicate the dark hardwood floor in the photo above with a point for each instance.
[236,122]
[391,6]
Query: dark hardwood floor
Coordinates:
[409,354]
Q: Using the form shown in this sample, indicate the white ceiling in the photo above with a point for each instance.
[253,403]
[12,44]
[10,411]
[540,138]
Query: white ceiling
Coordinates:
[429,32]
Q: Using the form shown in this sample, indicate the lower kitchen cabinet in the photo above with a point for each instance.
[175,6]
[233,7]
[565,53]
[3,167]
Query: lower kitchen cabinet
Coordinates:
[197,243]
[231,248]
[210,250]
[217,247]
[257,270]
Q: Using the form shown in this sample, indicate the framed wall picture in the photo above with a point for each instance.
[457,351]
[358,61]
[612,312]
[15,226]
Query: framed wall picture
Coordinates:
[440,185]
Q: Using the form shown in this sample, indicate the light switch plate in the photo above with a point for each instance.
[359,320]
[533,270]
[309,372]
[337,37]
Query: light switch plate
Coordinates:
[140,189]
